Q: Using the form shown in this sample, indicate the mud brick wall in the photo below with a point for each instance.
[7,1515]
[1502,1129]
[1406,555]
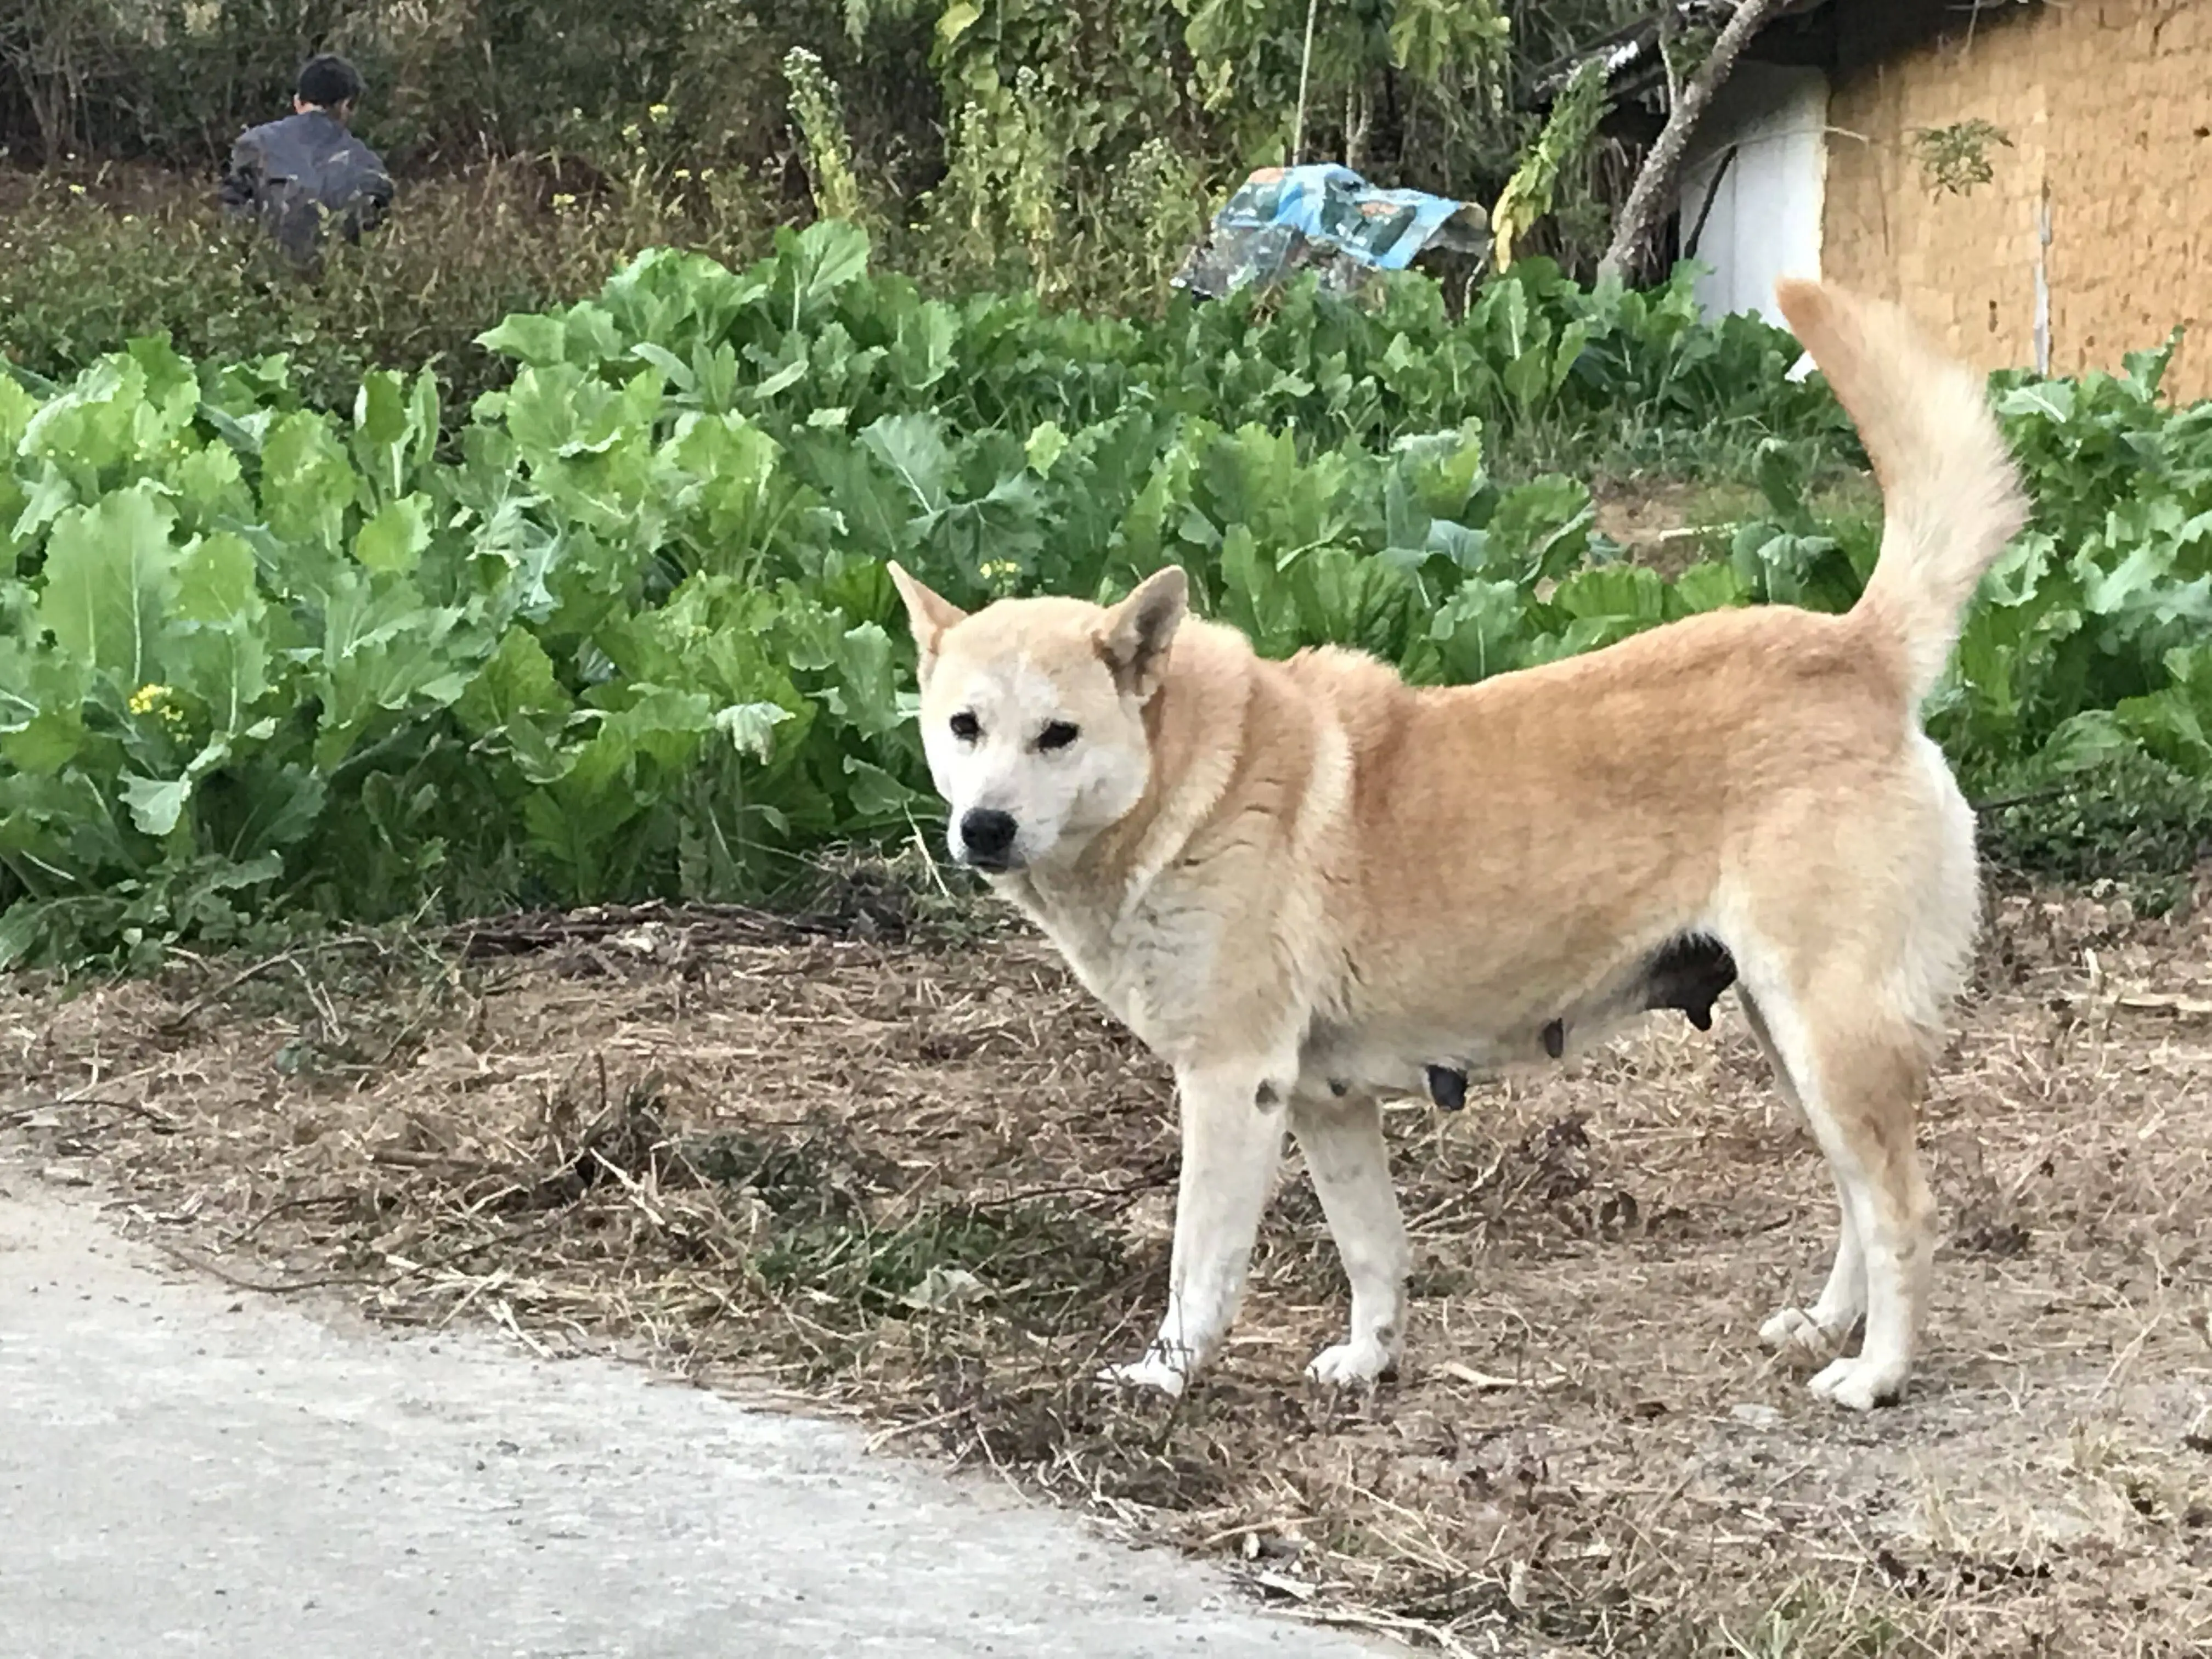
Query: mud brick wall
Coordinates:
[2109,109]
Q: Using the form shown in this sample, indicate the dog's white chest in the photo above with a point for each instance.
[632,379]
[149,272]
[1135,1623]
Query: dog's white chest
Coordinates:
[1152,963]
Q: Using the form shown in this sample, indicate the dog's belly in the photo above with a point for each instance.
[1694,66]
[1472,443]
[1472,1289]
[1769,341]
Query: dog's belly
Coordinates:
[1398,1058]
[1436,1050]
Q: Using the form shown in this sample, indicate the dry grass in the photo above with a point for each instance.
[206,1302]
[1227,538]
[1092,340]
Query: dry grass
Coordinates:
[930,1184]
[91,261]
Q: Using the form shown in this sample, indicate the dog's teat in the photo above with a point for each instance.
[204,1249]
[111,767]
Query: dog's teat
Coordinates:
[1447,1087]
[1690,973]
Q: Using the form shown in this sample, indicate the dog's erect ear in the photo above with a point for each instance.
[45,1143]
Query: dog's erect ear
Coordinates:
[927,613]
[1140,629]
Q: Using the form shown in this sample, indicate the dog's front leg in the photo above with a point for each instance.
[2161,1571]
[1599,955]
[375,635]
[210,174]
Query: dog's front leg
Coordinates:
[1232,1137]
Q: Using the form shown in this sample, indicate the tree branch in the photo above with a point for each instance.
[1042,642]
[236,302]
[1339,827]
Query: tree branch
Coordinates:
[1655,179]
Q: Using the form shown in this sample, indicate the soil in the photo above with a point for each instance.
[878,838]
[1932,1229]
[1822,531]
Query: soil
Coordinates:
[1666,524]
[1669,524]
[915,1174]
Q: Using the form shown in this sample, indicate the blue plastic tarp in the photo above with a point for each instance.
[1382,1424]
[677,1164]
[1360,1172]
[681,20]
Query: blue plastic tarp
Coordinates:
[1324,216]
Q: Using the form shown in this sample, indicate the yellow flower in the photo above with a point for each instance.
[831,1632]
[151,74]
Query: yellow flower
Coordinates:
[658,111]
[147,698]
[681,174]
[76,189]
[564,200]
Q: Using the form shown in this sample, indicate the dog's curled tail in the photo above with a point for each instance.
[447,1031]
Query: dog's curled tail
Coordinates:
[1951,493]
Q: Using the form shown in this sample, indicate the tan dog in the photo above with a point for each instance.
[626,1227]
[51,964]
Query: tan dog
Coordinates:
[1303,883]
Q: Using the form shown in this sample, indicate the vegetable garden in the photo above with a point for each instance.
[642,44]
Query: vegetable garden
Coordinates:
[620,629]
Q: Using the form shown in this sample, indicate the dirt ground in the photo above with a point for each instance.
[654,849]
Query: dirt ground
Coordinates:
[1669,524]
[909,1172]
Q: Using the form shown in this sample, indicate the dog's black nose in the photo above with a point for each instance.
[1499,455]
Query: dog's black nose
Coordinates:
[987,835]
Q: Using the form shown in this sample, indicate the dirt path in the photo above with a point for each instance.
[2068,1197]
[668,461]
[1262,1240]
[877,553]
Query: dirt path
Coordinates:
[187,1471]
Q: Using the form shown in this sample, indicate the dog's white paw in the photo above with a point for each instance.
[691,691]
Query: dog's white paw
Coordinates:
[1860,1385]
[1793,1329]
[1151,1372]
[1350,1364]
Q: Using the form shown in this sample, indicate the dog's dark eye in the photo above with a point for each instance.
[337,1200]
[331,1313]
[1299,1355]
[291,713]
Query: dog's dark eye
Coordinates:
[966,727]
[1058,735]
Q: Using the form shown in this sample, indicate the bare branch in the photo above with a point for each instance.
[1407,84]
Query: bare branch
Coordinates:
[1655,179]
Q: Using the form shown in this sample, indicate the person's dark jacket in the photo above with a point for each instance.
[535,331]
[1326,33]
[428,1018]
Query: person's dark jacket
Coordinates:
[291,175]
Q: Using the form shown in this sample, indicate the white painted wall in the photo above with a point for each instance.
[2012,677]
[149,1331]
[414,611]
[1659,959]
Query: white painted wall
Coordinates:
[1765,219]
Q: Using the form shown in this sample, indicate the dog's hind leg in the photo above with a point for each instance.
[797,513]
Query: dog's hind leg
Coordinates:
[1342,1140]
[1853,932]
[1858,1069]
[1232,1138]
[1827,1326]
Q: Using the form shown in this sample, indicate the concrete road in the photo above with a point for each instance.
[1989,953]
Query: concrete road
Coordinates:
[184,1470]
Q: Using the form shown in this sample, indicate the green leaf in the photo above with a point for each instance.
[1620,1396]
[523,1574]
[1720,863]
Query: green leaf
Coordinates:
[529,337]
[751,726]
[396,536]
[46,743]
[517,681]
[226,666]
[1708,586]
[171,386]
[385,653]
[42,699]
[1541,528]
[1481,629]
[211,484]
[2087,740]
[2048,400]
[219,652]
[1631,592]
[388,427]
[913,447]
[1046,444]
[875,795]
[423,413]
[16,408]
[679,373]
[866,691]
[307,480]
[157,804]
[955,20]
[380,410]
[110,571]
[1781,472]
[215,581]
[20,925]
[815,265]
[283,806]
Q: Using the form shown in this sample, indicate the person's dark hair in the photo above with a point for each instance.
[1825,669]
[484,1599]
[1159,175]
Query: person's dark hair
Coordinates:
[328,82]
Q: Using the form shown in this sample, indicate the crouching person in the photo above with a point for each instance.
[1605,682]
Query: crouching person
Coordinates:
[292,175]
